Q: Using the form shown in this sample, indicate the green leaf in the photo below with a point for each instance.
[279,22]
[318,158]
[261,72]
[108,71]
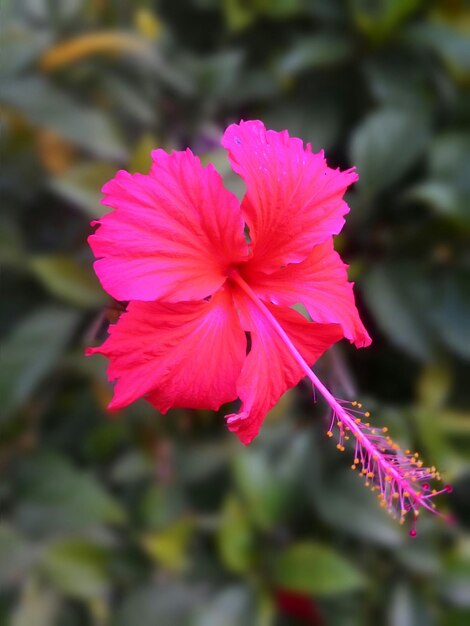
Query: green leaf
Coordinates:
[82,185]
[428,424]
[20,48]
[391,292]
[450,43]
[346,505]
[450,310]
[126,99]
[217,74]
[266,496]
[434,385]
[11,243]
[169,546]
[454,584]
[73,501]
[31,352]
[317,121]
[160,506]
[131,467]
[231,607]
[443,198]
[448,159]
[380,18]
[235,537]
[37,605]
[200,461]
[69,280]
[399,79]
[166,604]
[448,189]
[408,609]
[77,567]
[317,51]
[382,150]
[316,569]
[43,105]
[141,158]
[16,556]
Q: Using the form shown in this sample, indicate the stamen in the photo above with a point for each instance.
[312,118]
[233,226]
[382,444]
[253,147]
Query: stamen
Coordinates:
[401,479]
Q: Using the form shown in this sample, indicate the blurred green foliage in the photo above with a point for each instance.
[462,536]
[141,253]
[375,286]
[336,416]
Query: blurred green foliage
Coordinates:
[144,520]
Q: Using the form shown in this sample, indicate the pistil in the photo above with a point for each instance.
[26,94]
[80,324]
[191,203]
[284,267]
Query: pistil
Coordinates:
[399,476]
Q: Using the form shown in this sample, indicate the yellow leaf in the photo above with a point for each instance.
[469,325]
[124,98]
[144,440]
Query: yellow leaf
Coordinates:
[99,42]
[147,24]
[141,159]
[169,546]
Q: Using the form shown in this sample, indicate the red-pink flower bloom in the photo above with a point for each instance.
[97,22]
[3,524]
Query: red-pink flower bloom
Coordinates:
[175,248]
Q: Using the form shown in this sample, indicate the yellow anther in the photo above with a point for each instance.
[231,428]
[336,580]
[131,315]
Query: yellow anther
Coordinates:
[385,429]
[354,403]
[367,414]
[329,434]
[370,474]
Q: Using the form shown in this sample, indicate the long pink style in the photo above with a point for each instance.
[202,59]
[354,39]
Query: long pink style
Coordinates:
[400,477]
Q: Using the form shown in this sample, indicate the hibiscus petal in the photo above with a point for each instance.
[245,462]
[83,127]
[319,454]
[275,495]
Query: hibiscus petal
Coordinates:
[321,284]
[293,200]
[174,232]
[188,354]
[270,369]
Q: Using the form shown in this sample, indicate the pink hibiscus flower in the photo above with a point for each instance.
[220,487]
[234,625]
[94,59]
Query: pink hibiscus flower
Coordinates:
[209,318]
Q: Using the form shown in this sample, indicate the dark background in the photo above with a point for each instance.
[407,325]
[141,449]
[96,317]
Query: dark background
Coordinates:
[144,520]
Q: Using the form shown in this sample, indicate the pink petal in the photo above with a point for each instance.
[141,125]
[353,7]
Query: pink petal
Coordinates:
[321,284]
[174,232]
[293,200]
[270,369]
[188,354]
